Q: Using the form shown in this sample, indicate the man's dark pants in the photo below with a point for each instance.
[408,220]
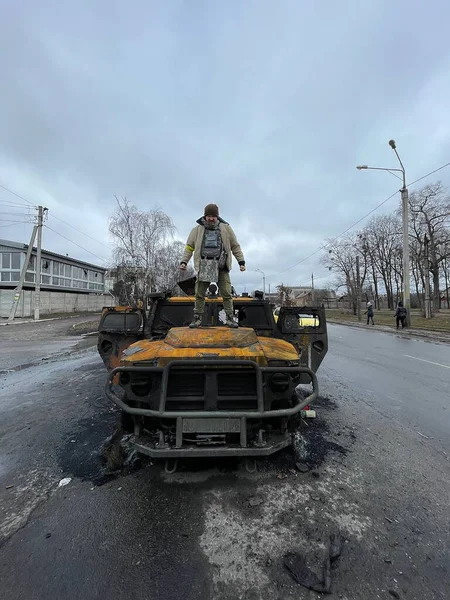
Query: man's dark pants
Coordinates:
[402,319]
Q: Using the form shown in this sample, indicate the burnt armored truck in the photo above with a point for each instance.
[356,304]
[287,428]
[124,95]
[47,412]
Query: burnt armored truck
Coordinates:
[211,391]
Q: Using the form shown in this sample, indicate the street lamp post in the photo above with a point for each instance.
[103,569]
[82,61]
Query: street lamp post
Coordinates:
[264,281]
[404,196]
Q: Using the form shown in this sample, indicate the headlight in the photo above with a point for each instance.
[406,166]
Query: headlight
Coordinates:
[279,382]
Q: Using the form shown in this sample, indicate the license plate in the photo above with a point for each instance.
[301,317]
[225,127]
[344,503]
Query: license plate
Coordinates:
[211,425]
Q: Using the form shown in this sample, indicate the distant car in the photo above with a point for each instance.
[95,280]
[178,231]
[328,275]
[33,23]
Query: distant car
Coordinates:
[303,321]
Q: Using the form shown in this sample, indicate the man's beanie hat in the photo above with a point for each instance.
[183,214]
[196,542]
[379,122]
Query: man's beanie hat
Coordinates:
[211,210]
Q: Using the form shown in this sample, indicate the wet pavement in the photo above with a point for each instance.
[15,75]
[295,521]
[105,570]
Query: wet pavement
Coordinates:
[379,452]
[27,342]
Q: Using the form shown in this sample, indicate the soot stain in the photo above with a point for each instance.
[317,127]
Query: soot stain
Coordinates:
[87,451]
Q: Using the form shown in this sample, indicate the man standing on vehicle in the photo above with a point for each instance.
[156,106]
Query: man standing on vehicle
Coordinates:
[213,242]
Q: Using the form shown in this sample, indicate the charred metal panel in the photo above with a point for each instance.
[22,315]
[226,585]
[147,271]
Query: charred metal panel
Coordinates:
[119,327]
[311,341]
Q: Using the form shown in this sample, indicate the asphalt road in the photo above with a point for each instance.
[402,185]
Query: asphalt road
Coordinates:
[405,378]
[28,342]
[212,530]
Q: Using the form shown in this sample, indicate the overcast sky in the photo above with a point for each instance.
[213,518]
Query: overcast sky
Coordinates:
[264,107]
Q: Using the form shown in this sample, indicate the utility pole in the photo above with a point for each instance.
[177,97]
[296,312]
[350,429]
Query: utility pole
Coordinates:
[405,221]
[405,208]
[406,283]
[37,289]
[18,290]
[426,241]
[312,280]
[358,289]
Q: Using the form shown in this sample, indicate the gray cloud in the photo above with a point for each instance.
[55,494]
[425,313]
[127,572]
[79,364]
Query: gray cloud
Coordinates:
[263,108]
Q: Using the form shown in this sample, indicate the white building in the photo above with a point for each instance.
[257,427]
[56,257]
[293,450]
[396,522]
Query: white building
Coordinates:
[67,284]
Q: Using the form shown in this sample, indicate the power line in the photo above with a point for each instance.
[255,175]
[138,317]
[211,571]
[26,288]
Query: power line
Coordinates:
[359,220]
[14,204]
[298,263]
[72,242]
[338,236]
[79,230]
[14,223]
[430,173]
[9,220]
[17,195]
[13,214]
[53,215]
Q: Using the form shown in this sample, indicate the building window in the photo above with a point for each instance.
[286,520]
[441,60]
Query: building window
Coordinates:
[29,277]
[15,260]
[32,265]
[45,265]
[15,275]
[6,262]
[45,279]
[6,276]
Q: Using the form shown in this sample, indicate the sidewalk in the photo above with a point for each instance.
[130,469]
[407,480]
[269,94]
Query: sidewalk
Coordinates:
[438,336]
[45,319]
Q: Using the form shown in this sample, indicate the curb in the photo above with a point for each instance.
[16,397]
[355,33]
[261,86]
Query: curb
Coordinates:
[435,336]
[70,316]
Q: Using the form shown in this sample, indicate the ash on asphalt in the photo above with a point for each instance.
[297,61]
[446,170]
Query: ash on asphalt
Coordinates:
[83,453]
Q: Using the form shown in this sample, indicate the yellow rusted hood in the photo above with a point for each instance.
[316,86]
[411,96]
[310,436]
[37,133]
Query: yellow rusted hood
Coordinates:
[212,342]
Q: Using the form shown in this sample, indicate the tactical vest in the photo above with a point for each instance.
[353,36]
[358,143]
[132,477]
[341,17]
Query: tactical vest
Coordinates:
[211,244]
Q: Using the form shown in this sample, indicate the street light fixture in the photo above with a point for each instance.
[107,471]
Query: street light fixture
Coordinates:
[264,281]
[404,195]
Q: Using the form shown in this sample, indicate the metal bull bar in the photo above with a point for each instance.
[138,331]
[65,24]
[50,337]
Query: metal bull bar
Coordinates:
[260,413]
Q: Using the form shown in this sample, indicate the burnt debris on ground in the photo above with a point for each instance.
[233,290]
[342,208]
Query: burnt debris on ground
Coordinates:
[92,453]
[303,574]
[98,450]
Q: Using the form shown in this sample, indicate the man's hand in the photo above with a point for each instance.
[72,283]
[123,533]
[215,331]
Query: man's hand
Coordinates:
[183,266]
[242,267]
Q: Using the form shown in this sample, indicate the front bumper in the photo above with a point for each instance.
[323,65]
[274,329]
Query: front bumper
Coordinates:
[226,420]
[260,413]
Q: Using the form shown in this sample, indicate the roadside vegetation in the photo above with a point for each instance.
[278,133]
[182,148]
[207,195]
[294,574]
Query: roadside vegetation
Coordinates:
[385,317]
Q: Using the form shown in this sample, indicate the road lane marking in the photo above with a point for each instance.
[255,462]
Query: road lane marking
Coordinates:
[428,361]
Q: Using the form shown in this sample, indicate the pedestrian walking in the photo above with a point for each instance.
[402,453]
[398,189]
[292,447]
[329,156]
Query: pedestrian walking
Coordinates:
[400,315]
[213,244]
[369,313]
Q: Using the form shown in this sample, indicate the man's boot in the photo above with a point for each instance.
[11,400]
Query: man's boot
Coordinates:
[196,322]
[230,322]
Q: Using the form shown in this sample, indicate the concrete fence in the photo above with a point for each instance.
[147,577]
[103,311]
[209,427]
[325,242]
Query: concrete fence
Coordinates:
[53,302]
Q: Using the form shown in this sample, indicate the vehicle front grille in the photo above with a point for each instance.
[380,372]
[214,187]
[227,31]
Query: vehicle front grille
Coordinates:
[211,389]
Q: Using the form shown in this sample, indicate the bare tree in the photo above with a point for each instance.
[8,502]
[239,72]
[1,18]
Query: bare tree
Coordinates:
[380,247]
[284,297]
[383,238]
[144,246]
[341,257]
[430,214]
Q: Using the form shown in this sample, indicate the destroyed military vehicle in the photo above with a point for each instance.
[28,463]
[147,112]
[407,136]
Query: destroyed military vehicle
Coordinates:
[211,391]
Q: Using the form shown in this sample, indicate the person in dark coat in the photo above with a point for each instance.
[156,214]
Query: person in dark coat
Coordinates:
[400,315]
[369,313]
